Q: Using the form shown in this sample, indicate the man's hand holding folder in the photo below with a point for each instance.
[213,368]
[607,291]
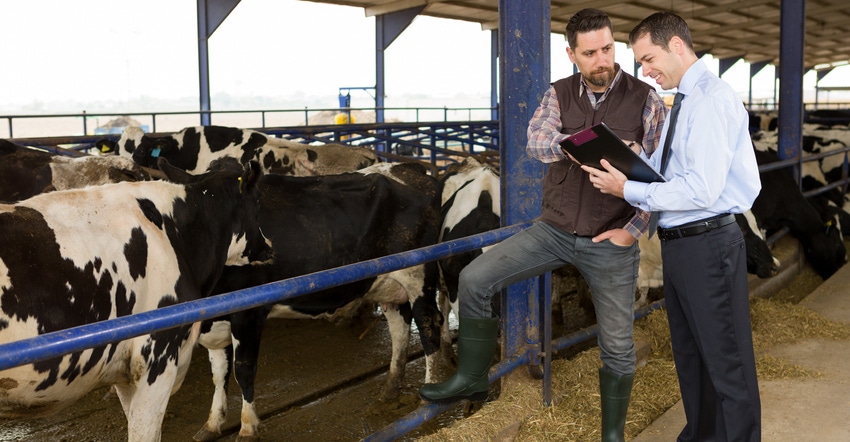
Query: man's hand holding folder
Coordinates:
[594,144]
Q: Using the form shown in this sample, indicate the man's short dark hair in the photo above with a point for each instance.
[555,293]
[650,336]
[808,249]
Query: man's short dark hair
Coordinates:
[587,20]
[661,27]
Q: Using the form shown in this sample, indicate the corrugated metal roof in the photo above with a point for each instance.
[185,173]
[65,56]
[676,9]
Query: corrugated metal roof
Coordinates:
[748,29]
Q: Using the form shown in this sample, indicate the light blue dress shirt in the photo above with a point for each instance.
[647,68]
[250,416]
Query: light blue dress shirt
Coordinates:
[712,167]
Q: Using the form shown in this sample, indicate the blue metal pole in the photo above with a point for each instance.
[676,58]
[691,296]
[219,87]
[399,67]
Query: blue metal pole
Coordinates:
[211,13]
[792,22]
[524,70]
[494,72]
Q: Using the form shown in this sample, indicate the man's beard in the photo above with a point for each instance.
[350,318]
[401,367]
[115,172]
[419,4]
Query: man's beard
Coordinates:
[601,78]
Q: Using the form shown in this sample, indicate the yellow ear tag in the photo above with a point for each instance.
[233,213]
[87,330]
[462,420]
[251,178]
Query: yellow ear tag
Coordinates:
[240,184]
[104,149]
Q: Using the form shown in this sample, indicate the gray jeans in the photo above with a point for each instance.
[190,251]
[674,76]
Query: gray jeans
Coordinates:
[610,271]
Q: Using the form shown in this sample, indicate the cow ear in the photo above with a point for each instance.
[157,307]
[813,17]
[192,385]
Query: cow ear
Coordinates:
[106,146]
[251,174]
[172,173]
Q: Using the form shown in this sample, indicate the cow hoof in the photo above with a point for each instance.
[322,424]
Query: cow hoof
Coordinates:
[204,435]
[535,371]
[390,393]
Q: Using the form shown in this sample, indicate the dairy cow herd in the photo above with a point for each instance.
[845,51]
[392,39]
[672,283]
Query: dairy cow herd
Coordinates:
[158,220]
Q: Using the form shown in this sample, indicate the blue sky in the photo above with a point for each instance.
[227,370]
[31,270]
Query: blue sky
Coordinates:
[123,49]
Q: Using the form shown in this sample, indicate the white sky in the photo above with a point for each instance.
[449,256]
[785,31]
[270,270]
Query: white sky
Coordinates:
[116,50]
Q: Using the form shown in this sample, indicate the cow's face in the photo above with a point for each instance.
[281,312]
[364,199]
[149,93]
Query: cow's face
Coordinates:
[826,252]
[249,245]
[150,149]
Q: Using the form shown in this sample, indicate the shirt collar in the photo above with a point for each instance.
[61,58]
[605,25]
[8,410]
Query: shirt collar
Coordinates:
[584,87]
[689,81]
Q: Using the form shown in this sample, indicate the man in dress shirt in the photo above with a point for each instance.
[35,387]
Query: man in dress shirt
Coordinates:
[711,173]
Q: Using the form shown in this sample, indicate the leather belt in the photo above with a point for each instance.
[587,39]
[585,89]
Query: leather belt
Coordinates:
[696,227]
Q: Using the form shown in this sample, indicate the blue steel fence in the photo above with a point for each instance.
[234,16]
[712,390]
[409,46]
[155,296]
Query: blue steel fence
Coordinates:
[55,344]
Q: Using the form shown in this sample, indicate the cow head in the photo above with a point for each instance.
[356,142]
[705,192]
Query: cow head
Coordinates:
[130,139]
[231,192]
[148,152]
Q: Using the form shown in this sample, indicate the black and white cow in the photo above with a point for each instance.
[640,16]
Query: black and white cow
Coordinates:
[470,204]
[471,195]
[831,204]
[26,172]
[194,149]
[781,204]
[760,260]
[318,223]
[59,268]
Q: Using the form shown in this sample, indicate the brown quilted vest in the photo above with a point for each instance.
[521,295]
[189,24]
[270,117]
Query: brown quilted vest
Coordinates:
[570,202]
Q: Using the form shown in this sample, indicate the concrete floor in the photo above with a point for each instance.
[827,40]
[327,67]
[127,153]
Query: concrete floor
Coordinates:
[798,410]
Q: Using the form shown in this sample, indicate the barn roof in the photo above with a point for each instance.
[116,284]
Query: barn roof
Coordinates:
[747,29]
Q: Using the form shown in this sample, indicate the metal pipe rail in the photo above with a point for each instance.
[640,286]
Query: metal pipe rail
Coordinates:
[262,114]
[59,343]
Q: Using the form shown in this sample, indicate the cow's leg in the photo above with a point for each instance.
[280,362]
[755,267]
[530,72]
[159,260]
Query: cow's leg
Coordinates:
[448,354]
[145,402]
[421,286]
[147,408]
[220,365]
[125,394]
[400,335]
[247,329]
[220,353]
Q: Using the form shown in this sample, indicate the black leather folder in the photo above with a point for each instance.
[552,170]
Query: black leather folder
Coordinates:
[594,143]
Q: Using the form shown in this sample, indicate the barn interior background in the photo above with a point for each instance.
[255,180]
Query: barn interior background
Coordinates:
[743,35]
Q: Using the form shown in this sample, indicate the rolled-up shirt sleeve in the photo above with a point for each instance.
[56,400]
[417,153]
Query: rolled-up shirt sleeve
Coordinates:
[544,130]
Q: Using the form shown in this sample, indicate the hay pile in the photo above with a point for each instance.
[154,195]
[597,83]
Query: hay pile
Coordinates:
[575,414]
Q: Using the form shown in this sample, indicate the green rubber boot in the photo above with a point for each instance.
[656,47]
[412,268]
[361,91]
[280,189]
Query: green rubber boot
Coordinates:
[615,392]
[476,343]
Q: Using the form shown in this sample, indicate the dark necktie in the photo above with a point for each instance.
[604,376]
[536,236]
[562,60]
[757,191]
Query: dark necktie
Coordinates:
[665,153]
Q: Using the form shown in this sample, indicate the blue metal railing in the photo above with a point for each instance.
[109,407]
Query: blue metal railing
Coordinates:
[55,344]
[225,117]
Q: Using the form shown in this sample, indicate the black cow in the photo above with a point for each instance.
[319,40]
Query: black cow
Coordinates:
[166,243]
[781,204]
[760,260]
[194,149]
[26,172]
[317,223]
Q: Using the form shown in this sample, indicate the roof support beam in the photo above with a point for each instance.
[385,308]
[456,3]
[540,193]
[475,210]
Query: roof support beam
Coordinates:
[726,63]
[791,44]
[494,74]
[387,28]
[211,13]
[387,8]
[820,74]
[755,68]
[524,71]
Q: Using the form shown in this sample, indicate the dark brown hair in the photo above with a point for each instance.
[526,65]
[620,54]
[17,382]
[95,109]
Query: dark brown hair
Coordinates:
[586,20]
[661,27]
